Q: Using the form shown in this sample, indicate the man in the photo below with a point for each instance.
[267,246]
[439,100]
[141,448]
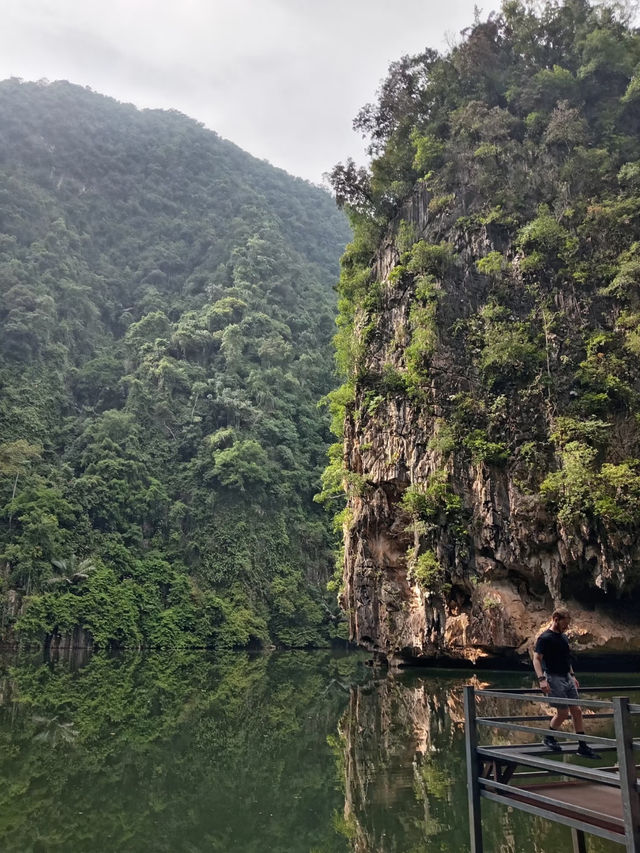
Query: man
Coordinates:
[552,663]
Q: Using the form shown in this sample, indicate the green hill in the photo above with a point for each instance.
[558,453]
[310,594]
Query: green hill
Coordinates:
[165,321]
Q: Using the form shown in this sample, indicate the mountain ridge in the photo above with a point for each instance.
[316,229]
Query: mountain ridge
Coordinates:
[166,322]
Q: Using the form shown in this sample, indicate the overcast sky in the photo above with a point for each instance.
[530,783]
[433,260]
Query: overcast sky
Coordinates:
[281,78]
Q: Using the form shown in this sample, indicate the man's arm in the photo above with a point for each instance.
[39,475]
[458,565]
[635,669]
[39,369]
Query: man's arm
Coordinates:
[571,672]
[573,675]
[537,665]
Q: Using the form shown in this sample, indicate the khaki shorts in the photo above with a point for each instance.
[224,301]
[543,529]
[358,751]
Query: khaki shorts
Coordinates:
[562,686]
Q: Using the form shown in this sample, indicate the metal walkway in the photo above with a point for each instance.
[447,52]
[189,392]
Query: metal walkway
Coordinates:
[603,801]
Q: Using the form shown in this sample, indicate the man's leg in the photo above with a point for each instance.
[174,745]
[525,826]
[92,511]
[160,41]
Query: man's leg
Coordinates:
[578,724]
[576,714]
[561,714]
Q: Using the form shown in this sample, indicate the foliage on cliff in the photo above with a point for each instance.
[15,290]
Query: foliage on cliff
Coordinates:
[166,313]
[522,341]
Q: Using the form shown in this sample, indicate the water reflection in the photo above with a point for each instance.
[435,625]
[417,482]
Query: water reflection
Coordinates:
[172,753]
[405,771]
[286,752]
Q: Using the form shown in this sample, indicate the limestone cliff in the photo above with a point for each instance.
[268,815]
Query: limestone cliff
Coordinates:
[489,334]
[506,557]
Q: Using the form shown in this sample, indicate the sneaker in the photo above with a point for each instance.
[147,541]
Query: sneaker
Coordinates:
[585,750]
[551,743]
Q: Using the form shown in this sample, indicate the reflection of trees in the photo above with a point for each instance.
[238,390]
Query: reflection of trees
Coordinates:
[191,753]
[171,753]
[53,731]
[404,770]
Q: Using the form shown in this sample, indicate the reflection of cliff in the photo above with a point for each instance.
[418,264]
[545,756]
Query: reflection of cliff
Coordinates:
[394,790]
[405,772]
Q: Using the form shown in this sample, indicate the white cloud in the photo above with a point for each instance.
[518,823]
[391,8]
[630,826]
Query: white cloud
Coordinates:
[281,78]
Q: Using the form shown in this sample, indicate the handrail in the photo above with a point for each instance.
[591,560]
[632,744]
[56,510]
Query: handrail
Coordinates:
[542,717]
[553,700]
[534,748]
[625,688]
[581,825]
[507,724]
[575,771]
[490,769]
[538,730]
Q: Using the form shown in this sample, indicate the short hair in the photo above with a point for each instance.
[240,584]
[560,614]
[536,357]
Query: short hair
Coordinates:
[561,613]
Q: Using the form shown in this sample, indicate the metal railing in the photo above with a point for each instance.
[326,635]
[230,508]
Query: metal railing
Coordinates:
[491,769]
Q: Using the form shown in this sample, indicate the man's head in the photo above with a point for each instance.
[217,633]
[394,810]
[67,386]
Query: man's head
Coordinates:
[560,619]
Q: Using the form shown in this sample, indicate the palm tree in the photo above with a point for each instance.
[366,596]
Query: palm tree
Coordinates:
[72,571]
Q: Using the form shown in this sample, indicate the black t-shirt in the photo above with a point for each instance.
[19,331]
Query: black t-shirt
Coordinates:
[554,648]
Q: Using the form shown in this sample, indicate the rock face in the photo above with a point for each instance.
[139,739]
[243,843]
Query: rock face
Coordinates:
[452,549]
[75,645]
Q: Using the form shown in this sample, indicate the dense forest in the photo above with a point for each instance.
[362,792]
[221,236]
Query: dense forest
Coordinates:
[489,333]
[167,306]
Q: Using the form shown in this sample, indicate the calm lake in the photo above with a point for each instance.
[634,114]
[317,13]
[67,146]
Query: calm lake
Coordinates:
[284,752]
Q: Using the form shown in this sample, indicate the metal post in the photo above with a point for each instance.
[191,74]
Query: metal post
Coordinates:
[628,776]
[579,841]
[473,770]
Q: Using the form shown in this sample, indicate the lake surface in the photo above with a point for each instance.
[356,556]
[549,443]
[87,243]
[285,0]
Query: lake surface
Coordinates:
[285,752]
